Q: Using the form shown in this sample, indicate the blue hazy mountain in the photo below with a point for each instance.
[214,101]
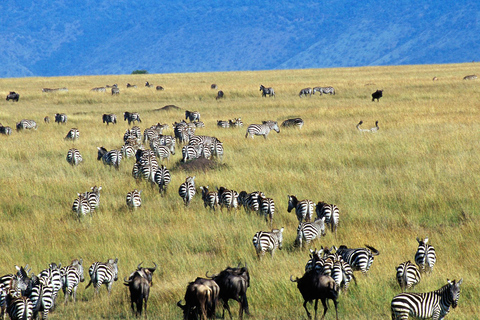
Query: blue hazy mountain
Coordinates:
[56,38]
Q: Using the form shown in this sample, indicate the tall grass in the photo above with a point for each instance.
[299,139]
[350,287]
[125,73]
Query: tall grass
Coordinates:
[418,176]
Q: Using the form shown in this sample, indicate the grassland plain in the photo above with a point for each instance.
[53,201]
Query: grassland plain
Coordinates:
[418,176]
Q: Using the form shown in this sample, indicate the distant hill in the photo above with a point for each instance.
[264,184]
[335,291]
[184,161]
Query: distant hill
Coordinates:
[52,38]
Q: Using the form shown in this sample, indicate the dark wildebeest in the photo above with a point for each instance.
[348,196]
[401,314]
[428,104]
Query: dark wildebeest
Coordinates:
[159,88]
[131,85]
[220,95]
[233,283]
[315,286]
[200,299]
[377,95]
[147,84]
[267,91]
[213,86]
[5,130]
[139,284]
[13,96]
[109,118]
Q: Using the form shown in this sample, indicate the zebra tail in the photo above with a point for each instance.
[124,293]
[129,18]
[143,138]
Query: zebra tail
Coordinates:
[36,308]
[89,283]
[375,252]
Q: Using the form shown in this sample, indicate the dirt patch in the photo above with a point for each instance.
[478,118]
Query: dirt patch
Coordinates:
[200,164]
[169,107]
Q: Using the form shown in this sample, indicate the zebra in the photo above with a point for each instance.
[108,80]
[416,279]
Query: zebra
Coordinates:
[210,198]
[73,134]
[359,259]
[262,129]
[53,273]
[128,151]
[154,131]
[46,119]
[470,77]
[187,190]
[5,130]
[227,198]
[190,152]
[99,89]
[26,124]
[360,129]
[72,275]
[111,158]
[223,124]
[267,91]
[19,308]
[217,149]
[431,305]
[303,208]
[237,122]
[162,179]
[267,241]
[408,275]
[93,197]
[81,206]
[43,296]
[199,124]
[324,90]
[341,272]
[305,91]
[296,122]
[182,132]
[309,231]
[115,91]
[220,95]
[251,201]
[131,85]
[162,152]
[331,214]
[74,157]
[131,117]
[425,257]
[109,118]
[267,208]
[133,133]
[60,118]
[134,199]
[192,115]
[376,128]
[13,285]
[103,273]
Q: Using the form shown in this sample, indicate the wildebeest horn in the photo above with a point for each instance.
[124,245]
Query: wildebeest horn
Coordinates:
[138,267]
[211,277]
[155,268]
[293,280]
[126,282]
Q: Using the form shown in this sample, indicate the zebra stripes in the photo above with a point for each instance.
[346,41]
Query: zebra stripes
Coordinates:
[296,122]
[81,206]
[134,199]
[19,308]
[408,275]
[72,275]
[73,134]
[131,117]
[267,91]
[431,305]
[360,258]
[262,129]
[111,158]
[227,198]
[223,124]
[210,198]
[43,296]
[264,241]
[26,124]
[250,201]
[93,197]
[305,91]
[5,130]
[187,190]
[192,115]
[162,179]
[109,118]
[324,90]
[103,273]
[425,257]
[60,118]
[303,208]
[309,231]
[331,214]
[267,208]
[74,157]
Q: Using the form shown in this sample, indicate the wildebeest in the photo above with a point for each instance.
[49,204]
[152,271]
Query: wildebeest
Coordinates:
[201,299]
[267,91]
[109,118]
[220,95]
[159,88]
[213,86]
[115,90]
[315,286]
[377,95]
[13,96]
[305,91]
[233,283]
[147,84]
[139,284]
[470,77]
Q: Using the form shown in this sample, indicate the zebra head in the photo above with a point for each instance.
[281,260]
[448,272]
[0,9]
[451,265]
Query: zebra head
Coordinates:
[454,291]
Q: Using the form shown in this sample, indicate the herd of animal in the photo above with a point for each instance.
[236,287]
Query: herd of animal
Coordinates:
[327,273]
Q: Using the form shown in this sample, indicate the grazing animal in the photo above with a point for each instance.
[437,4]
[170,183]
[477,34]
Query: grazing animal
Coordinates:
[470,77]
[431,305]
[147,84]
[425,257]
[198,302]
[72,275]
[43,295]
[227,198]
[131,85]
[360,258]
[210,198]
[324,90]
[111,158]
[103,273]
[408,275]
[26,124]
[93,197]
[220,95]
[5,130]
[159,88]
[192,115]
[187,190]
[112,86]
[134,199]
[331,214]
[309,231]
[162,179]
[99,89]
[13,96]
[377,95]
[223,124]
[46,119]
[233,283]
[115,91]
[19,307]
[60,118]
[264,241]
[131,117]
[262,129]
[376,128]
[304,92]
[435,79]
[139,284]
[296,122]
[81,206]
[267,91]
[315,286]
[213,86]
[54,89]
[13,285]
[360,129]
[74,157]
[235,123]
[303,208]
[109,118]
[267,208]
[73,134]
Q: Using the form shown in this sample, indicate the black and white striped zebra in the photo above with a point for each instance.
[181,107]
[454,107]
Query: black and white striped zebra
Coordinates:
[109,118]
[267,208]
[223,124]
[72,275]
[251,201]
[81,206]
[303,208]
[134,199]
[131,117]
[182,132]
[305,91]
[5,130]
[267,91]
[210,198]
[13,285]
[43,296]
[359,259]
[115,91]
[192,115]
[187,190]
[262,129]
[331,214]
[74,157]
[128,151]
[162,179]
[93,197]
[309,231]
[19,308]
[217,149]
[408,275]
[295,122]
[73,134]
[61,118]
[425,257]
[227,198]
[431,305]
[342,273]
[133,133]
[235,123]
[164,141]
[324,90]
[111,158]
[26,124]
[103,273]
[162,152]
[191,152]
[264,241]
[205,140]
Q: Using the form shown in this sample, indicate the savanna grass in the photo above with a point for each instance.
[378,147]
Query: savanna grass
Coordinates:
[417,176]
